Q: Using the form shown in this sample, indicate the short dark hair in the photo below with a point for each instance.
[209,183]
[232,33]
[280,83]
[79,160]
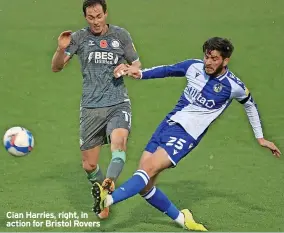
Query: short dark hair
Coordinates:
[223,45]
[88,3]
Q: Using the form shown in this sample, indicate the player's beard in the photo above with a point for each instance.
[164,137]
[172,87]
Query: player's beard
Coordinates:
[217,72]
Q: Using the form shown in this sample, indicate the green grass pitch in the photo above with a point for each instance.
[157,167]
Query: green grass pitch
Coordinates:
[229,182]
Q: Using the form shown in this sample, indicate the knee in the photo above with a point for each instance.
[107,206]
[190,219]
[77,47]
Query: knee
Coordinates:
[89,166]
[149,167]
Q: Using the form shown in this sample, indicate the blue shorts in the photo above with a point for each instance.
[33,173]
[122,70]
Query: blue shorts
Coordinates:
[174,139]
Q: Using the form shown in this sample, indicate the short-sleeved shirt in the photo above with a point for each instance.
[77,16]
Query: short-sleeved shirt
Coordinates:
[98,56]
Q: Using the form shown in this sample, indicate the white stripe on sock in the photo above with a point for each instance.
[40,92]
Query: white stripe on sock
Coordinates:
[145,173]
[143,177]
[145,194]
[151,193]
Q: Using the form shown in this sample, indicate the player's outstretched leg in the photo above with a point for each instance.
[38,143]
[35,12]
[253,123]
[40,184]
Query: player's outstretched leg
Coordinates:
[160,201]
[174,144]
[155,197]
[130,188]
[154,164]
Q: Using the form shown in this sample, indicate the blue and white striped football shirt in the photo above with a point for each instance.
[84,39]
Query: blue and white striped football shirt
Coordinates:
[205,98]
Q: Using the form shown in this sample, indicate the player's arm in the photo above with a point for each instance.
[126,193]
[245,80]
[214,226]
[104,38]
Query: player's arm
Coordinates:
[136,64]
[59,60]
[243,96]
[175,70]
[67,46]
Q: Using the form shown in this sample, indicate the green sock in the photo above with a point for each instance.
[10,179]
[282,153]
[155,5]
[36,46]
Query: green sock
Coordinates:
[96,176]
[116,164]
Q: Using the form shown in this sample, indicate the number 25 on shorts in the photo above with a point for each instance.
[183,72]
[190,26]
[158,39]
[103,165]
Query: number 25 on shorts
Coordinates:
[176,142]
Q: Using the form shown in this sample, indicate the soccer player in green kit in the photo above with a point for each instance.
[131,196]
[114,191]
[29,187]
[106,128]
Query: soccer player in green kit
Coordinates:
[104,52]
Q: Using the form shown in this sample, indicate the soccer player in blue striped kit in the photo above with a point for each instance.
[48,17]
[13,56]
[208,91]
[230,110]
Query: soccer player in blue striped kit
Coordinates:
[210,89]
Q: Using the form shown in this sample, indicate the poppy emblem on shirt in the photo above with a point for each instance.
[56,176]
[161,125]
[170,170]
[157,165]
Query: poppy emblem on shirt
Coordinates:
[218,87]
[103,44]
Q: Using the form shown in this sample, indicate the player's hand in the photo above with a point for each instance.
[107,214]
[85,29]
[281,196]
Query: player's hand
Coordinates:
[64,39]
[120,70]
[270,145]
[134,72]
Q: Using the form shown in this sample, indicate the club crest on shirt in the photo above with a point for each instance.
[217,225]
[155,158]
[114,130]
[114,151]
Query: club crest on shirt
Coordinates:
[218,87]
[115,44]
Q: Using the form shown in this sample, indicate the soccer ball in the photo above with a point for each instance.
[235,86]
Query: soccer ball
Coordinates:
[18,141]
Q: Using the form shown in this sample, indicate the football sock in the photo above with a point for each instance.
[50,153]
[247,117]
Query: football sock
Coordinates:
[96,175]
[130,188]
[160,201]
[116,164]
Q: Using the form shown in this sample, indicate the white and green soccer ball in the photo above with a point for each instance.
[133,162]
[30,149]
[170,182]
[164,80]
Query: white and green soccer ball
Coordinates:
[18,141]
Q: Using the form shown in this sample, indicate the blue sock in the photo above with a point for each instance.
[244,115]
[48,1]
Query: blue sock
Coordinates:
[131,187]
[160,201]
